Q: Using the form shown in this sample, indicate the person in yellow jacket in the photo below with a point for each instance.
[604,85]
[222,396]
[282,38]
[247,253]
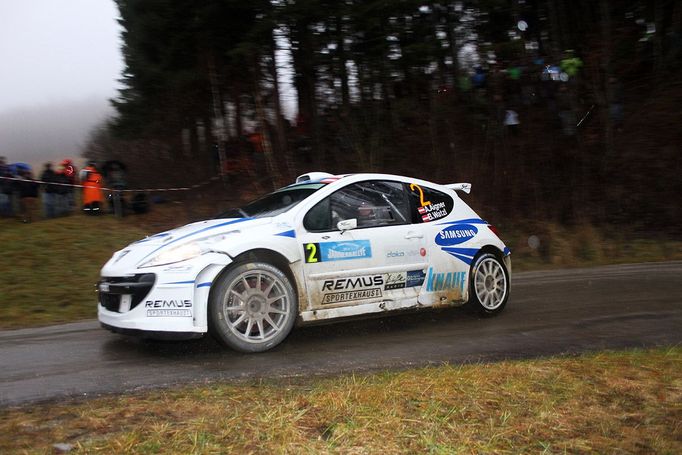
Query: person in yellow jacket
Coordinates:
[91,179]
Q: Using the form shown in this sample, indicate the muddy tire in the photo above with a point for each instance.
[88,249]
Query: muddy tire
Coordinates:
[489,285]
[252,308]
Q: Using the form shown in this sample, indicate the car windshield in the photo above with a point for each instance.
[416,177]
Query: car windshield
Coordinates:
[274,203]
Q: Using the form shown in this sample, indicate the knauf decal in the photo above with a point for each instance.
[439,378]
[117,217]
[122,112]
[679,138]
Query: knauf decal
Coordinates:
[444,281]
[456,234]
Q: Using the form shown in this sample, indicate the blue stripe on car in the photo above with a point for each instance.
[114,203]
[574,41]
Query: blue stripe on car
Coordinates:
[290,233]
[238,220]
[465,255]
[203,285]
[467,221]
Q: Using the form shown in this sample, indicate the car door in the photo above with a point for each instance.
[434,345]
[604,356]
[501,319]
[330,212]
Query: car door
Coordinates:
[449,239]
[382,258]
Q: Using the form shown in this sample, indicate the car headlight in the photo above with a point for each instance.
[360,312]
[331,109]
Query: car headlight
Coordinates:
[186,251]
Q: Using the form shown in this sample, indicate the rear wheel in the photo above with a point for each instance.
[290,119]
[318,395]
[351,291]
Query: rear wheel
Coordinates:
[253,307]
[489,285]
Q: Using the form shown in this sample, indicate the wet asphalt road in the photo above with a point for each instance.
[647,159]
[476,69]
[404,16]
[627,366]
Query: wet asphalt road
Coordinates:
[551,312]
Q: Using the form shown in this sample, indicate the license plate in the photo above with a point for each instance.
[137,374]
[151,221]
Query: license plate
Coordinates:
[125,303]
[104,287]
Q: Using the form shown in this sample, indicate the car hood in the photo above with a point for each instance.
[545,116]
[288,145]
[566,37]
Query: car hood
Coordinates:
[134,254]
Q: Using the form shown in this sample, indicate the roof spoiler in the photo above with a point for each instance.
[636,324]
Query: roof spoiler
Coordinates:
[313,176]
[466,187]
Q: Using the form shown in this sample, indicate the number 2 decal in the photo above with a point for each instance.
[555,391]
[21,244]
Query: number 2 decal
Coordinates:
[421,194]
[311,252]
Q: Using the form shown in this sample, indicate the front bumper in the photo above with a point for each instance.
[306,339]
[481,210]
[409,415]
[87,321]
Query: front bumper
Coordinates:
[153,334]
[140,303]
[155,303]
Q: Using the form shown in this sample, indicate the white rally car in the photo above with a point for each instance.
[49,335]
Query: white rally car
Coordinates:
[323,248]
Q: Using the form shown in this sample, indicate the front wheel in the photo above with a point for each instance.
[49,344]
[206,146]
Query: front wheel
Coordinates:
[253,307]
[488,285]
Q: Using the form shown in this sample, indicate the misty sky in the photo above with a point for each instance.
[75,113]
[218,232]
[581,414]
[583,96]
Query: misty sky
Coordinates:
[60,63]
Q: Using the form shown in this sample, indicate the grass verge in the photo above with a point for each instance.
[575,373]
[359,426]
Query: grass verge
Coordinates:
[544,245]
[50,266]
[627,401]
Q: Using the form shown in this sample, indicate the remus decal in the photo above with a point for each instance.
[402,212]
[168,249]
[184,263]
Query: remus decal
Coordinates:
[356,288]
[168,304]
[166,313]
[168,308]
[362,294]
[352,283]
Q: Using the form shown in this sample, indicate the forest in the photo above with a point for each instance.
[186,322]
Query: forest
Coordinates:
[561,110]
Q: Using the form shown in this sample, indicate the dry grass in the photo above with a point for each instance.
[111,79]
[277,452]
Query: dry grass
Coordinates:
[49,268]
[584,246]
[615,402]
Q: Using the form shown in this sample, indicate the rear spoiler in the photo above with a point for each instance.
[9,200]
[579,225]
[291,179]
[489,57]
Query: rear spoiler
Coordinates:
[466,187]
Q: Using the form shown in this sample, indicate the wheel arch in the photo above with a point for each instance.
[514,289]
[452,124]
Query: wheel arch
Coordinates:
[503,256]
[261,255]
[492,249]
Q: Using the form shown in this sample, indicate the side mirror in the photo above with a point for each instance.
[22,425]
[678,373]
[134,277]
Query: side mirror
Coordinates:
[346,225]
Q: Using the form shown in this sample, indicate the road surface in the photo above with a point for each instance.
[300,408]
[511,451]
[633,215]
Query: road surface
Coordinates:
[549,312]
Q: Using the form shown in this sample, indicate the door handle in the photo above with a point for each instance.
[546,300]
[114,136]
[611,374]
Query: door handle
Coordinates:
[414,235]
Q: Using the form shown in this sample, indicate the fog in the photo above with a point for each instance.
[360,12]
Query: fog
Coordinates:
[50,132]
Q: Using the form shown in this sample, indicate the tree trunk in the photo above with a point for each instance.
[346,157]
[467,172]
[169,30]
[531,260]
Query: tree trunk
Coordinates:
[277,106]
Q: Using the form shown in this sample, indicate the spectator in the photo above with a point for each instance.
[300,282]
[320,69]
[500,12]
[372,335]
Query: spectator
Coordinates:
[63,193]
[28,195]
[511,122]
[92,191]
[71,174]
[6,187]
[571,64]
[49,191]
[115,174]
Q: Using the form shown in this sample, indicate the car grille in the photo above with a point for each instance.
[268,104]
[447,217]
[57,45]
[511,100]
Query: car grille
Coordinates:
[137,286]
[110,301]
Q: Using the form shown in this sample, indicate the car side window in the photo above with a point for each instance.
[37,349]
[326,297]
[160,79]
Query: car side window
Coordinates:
[372,204]
[319,217]
[428,204]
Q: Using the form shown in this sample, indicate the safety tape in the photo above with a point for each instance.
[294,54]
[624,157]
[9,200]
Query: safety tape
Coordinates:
[143,190]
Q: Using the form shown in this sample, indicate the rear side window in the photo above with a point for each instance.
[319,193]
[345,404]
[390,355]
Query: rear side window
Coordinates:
[372,204]
[428,204]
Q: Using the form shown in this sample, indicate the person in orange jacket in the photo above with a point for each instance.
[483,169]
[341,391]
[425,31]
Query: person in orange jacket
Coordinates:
[91,179]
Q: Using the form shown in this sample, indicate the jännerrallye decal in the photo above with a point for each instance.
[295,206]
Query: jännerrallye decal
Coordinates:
[337,251]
